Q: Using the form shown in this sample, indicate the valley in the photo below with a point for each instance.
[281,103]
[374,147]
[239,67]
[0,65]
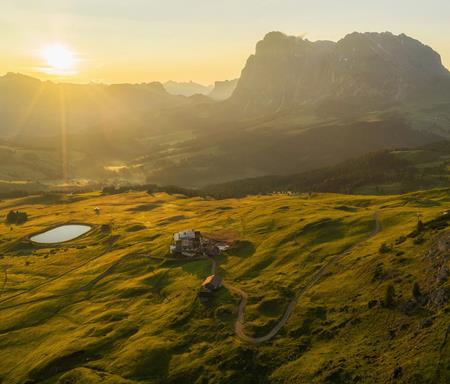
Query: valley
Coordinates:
[298,106]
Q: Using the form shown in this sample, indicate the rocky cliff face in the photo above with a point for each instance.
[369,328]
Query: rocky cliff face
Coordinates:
[223,89]
[370,68]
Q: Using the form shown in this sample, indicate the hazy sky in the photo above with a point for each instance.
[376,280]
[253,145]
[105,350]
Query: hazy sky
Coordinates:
[200,40]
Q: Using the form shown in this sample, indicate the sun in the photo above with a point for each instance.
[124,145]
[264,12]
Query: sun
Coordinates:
[59,59]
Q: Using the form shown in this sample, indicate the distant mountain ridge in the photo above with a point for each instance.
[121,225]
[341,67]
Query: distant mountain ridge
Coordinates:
[187,89]
[377,69]
[31,107]
[298,106]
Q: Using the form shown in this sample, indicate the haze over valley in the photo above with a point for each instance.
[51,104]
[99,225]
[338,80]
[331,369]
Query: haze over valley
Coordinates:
[308,104]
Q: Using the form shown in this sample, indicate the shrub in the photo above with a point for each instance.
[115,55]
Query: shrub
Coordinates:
[389,297]
[11,217]
[384,248]
[378,273]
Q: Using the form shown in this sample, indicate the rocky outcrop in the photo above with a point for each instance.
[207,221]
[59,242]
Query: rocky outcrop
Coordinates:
[374,68]
[223,89]
[439,256]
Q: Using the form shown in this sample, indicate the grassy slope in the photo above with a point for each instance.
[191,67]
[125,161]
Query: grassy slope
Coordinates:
[142,322]
[377,173]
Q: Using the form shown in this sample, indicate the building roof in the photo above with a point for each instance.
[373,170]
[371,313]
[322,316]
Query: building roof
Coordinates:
[184,235]
[214,280]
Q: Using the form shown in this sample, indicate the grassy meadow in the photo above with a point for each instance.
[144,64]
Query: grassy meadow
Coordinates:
[107,307]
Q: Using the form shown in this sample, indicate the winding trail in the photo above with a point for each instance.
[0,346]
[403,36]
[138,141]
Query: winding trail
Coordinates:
[5,279]
[85,287]
[178,259]
[110,270]
[239,326]
[57,277]
[94,281]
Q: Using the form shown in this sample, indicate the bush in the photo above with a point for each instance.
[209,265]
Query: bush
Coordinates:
[378,273]
[16,217]
[384,248]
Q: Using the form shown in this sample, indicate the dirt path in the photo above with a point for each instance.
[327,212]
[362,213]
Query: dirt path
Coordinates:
[213,266]
[239,326]
[180,259]
[240,321]
[110,269]
[79,266]
[93,282]
[5,279]
[85,287]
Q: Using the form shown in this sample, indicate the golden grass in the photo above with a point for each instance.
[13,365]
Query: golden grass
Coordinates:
[142,321]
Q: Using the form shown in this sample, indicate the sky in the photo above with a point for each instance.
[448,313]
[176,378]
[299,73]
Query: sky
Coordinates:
[135,41]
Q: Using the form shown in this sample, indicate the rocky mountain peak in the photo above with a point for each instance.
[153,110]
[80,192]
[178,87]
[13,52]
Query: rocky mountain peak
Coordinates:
[370,68]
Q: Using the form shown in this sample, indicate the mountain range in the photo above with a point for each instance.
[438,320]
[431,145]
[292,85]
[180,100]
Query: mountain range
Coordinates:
[297,106]
[30,107]
[189,88]
[362,70]
[221,90]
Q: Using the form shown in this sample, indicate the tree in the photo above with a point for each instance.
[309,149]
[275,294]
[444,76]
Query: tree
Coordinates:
[11,217]
[384,248]
[109,190]
[420,226]
[389,297]
[21,217]
[416,290]
[16,217]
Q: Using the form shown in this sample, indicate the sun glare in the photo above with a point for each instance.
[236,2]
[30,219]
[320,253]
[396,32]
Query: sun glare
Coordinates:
[59,59]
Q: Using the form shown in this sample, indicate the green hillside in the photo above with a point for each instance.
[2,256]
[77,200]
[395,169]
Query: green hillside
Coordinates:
[108,308]
[382,172]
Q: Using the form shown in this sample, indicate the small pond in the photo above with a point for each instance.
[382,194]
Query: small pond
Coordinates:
[60,234]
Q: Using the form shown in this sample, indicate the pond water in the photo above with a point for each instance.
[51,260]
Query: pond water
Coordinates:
[61,234]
